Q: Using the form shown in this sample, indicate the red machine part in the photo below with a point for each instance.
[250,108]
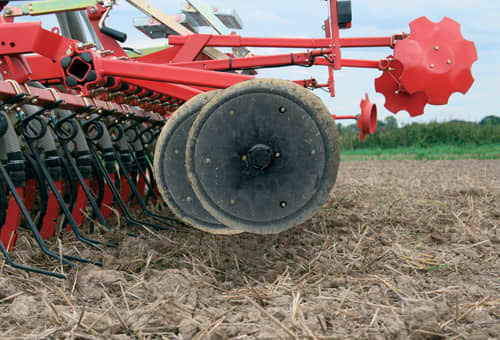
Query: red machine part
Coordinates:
[367,121]
[107,200]
[436,60]
[52,214]
[396,96]
[79,208]
[8,233]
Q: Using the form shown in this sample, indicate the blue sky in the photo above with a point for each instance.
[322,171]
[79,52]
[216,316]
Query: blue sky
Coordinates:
[292,18]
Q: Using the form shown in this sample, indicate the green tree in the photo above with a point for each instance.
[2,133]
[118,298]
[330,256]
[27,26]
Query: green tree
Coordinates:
[390,123]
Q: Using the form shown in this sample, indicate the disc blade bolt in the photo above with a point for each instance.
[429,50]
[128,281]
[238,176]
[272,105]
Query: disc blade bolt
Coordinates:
[282,109]
[232,202]
[189,199]
[232,112]
[436,48]
[208,161]
[283,204]
[277,155]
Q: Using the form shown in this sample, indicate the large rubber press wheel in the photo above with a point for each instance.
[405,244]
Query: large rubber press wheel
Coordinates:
[170,170]
[262,156]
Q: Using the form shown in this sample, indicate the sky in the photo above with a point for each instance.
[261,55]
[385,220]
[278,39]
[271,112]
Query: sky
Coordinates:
[479,19]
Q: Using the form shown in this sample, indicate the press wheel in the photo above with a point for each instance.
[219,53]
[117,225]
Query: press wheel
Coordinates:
[170,170]
[262,156]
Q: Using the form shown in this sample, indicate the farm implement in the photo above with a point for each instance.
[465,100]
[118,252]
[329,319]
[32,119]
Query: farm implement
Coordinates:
[89,126]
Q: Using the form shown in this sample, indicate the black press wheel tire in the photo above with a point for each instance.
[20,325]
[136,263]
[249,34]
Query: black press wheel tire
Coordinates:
[262,156]
[170,171]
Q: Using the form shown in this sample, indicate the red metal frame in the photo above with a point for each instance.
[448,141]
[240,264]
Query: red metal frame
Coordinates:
[176,72]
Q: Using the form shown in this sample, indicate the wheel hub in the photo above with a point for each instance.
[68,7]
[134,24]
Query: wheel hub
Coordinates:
[259,156]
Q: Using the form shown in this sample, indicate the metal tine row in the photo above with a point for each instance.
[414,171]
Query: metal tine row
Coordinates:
[100,170]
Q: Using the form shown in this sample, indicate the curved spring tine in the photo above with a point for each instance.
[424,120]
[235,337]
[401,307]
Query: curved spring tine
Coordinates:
[85,188]
[141,202]
[139,199]
[30,222]
[116,195]
[60,200]
[151,182]
[28,269]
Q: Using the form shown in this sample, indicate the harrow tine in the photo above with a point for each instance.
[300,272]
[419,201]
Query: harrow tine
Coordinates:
[103,133]
[46,174]
[139,199]
[26,268]
[85,188]
[141,202]
[62,204]
[27,216]
[129,178]
[148,156]
[116,194]
[148,181]
[58,130]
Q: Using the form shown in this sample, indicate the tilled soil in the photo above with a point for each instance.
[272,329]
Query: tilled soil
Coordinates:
[404,249]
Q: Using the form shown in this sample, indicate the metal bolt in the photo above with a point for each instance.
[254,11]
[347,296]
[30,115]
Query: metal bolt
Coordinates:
[283,204]
[208,161]
[449,61]
[396,92]
[282,109]
[231,113]
[436,48]
[189,199]
[18,109]
[177,152]
[277,155]
[313,152]
[232,202]
[431,65]
[34,101]
[100,111]
[93,9]
[8,11]
[244,157]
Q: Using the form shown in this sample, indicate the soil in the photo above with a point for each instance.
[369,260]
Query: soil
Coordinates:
[403,250]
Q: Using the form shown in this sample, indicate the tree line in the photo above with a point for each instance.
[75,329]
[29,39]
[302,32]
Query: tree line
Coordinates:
[389,135]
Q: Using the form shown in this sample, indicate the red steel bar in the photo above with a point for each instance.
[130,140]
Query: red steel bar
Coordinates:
[163,73]
[350,63]
[344,117]
[239,41]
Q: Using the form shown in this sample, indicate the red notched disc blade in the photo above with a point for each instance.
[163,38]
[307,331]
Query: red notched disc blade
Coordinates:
[436,59]
[396,99]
